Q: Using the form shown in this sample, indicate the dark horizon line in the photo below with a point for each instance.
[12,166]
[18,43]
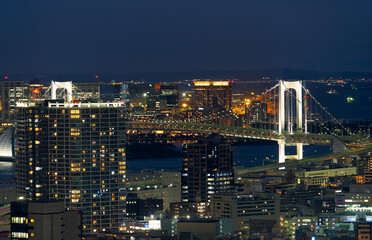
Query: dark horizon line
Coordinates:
[241,74]
[195,71]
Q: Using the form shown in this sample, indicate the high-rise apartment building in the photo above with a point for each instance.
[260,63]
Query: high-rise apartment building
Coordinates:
[73,152]
[213,95]
[207,168]
[11,92]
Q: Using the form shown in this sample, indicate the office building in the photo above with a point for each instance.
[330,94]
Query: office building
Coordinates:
[213,95]
[207,168]
[188,210]
[163,98]
[121,94]
[73,152]
[11,93]
[354,204]
[247,210]
[138,209]
[256,111]
[44,220]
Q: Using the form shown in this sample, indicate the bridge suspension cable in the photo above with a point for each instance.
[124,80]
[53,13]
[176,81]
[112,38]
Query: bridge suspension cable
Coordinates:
[326,111]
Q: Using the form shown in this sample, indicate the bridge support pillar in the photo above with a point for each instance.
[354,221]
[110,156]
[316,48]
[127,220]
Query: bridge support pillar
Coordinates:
[300,151]
[281,151]
[283,157]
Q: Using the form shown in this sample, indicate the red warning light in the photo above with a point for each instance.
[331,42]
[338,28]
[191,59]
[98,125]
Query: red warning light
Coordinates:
[75,102]
[97,76]
[6,77]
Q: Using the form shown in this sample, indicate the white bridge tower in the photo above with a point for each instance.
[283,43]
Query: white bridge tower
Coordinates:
[285,86]
[65,85]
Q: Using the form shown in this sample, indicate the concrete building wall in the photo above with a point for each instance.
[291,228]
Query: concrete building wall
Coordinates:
[328,172]
[7,195]
[201,230]
[168,194]
[45,220]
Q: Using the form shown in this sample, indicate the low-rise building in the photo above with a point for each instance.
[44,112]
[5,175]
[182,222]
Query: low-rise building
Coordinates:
[169,194]
[207,229]
[246,209]
[327,172]
[189,210]
[44,220]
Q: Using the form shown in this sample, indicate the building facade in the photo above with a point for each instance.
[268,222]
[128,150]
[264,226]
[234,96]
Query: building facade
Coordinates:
[256,112]
[11,92]
[213,95]
[245,210]
[73,152]
[44,220]
[207,168]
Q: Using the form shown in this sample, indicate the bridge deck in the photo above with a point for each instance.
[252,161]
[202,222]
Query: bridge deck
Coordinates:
[235,131]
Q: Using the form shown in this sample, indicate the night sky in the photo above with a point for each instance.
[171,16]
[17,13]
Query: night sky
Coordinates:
[171,35]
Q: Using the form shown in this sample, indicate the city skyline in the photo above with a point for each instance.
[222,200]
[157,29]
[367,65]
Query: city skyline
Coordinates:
[191,120]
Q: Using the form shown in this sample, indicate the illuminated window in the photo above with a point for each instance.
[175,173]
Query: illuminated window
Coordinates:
[19,235]
[18,219]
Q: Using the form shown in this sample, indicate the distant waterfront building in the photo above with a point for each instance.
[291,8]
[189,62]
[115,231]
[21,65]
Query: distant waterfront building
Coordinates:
[207,168]
[121,94]
[73,152]
[213,95]
[89,91]
[11,93]
[256,112]
[163,98]
[44,220]
[35,90]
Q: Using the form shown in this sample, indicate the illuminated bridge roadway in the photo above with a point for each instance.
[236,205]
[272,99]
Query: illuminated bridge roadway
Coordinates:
[238,132]
[355,144]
